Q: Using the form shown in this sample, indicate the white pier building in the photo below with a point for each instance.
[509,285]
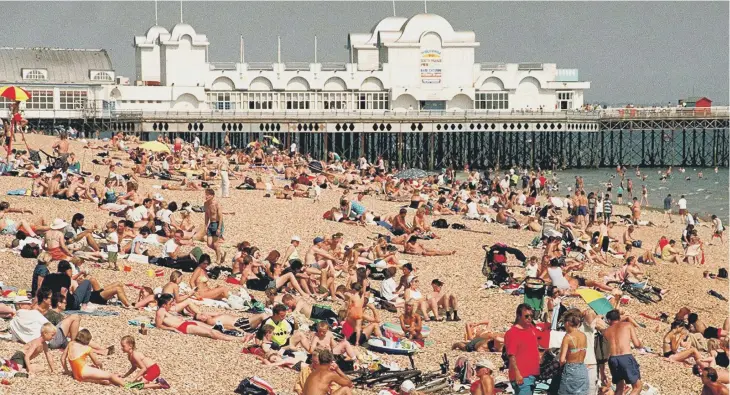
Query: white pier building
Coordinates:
[403,65]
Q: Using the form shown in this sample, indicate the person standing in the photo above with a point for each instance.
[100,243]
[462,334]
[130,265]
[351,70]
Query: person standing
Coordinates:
[225,182]
[293,149]
[214,224]
[520,343]
[196,143]
[607,209]
[575,379]
[682,204]
[644,195]
[589,327]
[668,207]
[622,364]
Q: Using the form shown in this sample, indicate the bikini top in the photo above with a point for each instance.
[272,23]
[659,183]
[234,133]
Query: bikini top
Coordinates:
[575,349]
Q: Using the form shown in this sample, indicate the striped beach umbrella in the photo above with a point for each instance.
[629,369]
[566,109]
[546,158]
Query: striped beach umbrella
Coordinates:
[595,300]
[13,93]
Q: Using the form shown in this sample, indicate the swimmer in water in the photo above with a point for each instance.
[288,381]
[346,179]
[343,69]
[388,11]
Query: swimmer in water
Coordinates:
[687,178]
[700,175]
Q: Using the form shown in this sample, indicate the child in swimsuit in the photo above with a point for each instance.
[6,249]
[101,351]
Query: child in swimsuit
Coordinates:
[149,371]
[75,355]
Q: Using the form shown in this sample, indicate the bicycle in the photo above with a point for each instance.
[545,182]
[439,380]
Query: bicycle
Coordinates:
[642,291]
[426,382]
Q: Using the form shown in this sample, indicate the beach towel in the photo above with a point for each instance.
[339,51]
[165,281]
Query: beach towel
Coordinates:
[595,300]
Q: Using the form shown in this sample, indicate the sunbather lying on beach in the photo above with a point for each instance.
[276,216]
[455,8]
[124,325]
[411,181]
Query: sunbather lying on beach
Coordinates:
[413,247]
[164,319]
[478,338]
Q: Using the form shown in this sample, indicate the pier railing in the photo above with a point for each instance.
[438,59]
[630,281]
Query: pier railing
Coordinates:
[389,115]
[608,114]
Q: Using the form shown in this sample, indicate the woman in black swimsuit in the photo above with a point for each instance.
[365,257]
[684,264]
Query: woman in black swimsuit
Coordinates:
[675,338]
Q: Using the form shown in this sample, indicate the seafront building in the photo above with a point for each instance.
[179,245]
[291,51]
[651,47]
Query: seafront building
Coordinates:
[402,64]
[410,89]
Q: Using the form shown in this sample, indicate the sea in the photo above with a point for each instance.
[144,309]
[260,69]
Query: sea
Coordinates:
[705,196]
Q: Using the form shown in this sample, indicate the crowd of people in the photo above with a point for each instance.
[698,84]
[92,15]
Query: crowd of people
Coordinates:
[305,283]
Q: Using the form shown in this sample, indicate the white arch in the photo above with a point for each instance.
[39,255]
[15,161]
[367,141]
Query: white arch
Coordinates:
[335,84]
[372,84]
[261,84]
[530,83]
[297,84]
[223,84]
[460,102]
[186,101]
[492,84]
[405,102]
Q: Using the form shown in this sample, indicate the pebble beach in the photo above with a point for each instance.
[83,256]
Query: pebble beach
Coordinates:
[195,365]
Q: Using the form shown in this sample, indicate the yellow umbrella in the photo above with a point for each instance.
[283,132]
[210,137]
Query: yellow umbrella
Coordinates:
[273,139]
[155,146]
[13,93]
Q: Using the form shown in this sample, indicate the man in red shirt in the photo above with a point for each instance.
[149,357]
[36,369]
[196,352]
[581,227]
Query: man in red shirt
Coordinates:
[520,343]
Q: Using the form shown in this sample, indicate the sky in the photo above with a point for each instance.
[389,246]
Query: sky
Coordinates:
[632,52]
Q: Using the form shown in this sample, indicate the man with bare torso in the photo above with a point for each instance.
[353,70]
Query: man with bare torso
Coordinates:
[60,147]
[214,224]
[326,374]
[624,368]
[710,384]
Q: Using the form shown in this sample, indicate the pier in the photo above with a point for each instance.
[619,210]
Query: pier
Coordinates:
[437,139]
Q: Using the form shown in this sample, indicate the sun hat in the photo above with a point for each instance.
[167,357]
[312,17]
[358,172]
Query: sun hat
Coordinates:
[407,386]
[58,224]
[485,363]
[296,238]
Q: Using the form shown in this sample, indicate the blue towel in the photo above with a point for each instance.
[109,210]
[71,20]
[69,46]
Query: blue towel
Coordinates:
[385,225]
[17,192]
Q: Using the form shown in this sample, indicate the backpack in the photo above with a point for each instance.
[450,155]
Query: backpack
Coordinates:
[549,366]
[601,348]
[440,224]
[30,251]
[722,272]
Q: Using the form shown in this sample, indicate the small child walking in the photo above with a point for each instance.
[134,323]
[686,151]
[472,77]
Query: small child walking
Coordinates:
[149,371]
[34,347]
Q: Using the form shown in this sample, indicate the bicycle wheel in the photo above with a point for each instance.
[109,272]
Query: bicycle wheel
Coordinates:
[390,377]
[435,387]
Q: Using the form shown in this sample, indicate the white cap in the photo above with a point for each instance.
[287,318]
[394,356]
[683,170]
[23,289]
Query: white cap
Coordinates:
[58,224]
[407,386]
[158,197]
[296,238]
[485,363]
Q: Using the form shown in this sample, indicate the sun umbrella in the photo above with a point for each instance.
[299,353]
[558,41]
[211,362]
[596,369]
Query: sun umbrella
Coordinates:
[273,139]
[13,93]
[155,146]
[595,300]
[412,173]
[555,201]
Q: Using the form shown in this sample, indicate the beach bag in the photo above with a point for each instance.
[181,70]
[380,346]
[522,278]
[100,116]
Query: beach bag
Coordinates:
[601,348]
[254,386]
[463,369]
[549,366]
[440,224]
[458,226]
[636,243]
[722,272]
[30,251]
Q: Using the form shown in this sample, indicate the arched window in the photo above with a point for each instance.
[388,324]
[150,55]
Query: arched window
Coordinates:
[35,75]
[103,76]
